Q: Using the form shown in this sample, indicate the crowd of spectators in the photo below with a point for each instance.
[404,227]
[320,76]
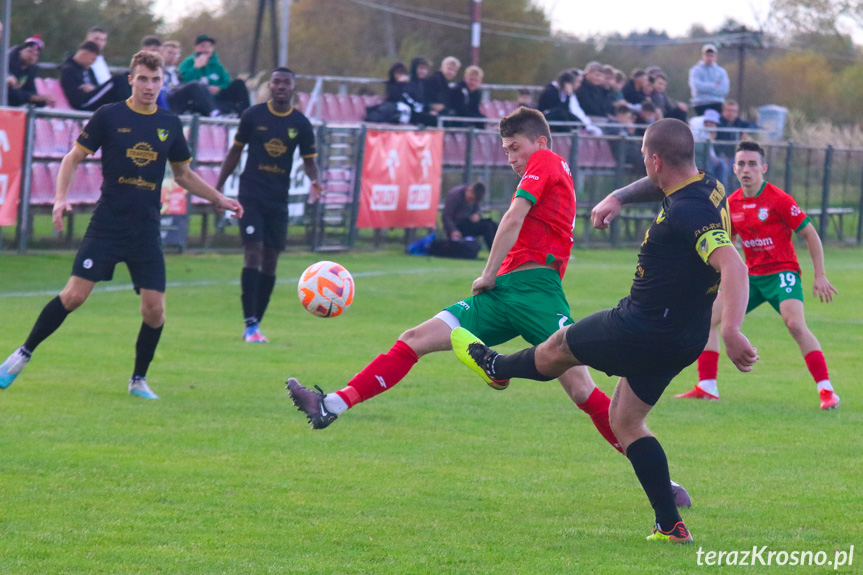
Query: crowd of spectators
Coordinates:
[199,84]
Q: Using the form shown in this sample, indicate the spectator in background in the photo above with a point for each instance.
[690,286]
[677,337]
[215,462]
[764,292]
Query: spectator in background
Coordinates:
[620,80]
[462,215]
[554,100]
[666,106]
[440,85]
[151,43]
[183,97]
[635,90]
[624,126]
[417,82]
[731,119]
[468,96]
[576,109]
[23,71]
[524,98]
[80,85]
[203,66]
[704,132]
[100,68]
[407,110]
[647,115]
[708,82]
[593,97]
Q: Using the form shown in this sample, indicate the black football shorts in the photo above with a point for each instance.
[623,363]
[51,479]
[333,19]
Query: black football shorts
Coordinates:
[142,254]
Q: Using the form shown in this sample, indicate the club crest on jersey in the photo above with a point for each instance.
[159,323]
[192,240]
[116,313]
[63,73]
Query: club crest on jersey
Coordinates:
[292,133]
[762,214]
[163,134]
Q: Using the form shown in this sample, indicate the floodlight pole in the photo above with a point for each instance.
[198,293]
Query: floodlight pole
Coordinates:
[475,30]
[284,32]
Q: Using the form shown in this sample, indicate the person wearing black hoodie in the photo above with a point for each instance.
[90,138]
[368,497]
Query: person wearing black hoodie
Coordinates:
[23,71]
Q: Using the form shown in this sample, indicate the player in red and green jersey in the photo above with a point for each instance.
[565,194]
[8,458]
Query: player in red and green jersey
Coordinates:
[764,217]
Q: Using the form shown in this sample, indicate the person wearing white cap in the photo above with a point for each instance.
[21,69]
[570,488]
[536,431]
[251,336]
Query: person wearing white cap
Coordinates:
[708,82]
[23,71]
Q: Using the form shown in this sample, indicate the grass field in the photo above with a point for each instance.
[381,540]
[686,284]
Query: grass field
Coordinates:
[440,475]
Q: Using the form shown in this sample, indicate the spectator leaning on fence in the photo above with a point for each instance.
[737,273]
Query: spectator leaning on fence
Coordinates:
[23,71]
[708,82]
[80,85]
[232,97]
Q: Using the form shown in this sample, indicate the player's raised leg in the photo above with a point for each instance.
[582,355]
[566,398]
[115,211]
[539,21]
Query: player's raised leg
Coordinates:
[628,413]
[793,316]
[50,319]
[385,371]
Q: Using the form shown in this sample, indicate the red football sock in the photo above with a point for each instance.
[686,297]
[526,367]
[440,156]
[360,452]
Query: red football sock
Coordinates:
[708,365]
[817,365]
[381,374]
[596,407]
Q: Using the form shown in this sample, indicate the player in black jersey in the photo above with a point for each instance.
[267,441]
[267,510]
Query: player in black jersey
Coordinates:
[137,140]
[660,327]
[272,131]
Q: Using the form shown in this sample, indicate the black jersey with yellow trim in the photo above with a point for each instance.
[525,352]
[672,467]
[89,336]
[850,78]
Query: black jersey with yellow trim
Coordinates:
[272,138]
[136,145]
[674,286]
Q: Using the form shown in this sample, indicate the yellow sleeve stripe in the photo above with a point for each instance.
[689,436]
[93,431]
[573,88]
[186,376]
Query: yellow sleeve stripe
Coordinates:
[239,143]
[706,243]
[311,156]
[84,148]
[182,162]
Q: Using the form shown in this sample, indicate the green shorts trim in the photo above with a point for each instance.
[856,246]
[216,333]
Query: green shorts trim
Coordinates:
[528,303]
[774,289]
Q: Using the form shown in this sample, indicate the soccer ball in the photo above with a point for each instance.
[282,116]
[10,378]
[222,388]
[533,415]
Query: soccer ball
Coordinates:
[326,289]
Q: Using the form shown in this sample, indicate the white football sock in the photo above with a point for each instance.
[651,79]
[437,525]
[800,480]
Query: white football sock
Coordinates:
[335,404]
[709,386]
[825,385]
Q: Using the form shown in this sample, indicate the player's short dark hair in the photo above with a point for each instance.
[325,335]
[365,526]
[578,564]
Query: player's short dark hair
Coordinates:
[565,77]
[672,141]
[622,109]
[750,146]
[90,46]
[96,29]
[638,73]
[478,191]
[526,122]
[152,60]
[284,69]
[648,106]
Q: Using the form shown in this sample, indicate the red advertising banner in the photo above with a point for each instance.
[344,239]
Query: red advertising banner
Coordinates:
[12,125]
[401,179]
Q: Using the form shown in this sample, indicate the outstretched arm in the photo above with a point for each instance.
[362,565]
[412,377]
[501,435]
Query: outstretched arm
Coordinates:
[186,178]
[643,190]
[735,296]
[68,167]
[507,234]
[821,287]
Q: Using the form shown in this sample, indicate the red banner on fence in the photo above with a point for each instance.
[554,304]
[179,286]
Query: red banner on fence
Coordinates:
[12,124]
[401,179]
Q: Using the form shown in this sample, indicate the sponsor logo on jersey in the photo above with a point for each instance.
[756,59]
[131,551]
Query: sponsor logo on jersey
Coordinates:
[124,130]
[796,211]
[138,182]
[292,133]
[275,147]
[705,229]
[163,134]
[758,242]
[762,214]
[717,195]
[749,206]
[530,177]
[660,216]
[271,169]
[141,154]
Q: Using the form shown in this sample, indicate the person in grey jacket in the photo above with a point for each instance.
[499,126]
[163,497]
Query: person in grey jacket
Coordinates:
[708,82]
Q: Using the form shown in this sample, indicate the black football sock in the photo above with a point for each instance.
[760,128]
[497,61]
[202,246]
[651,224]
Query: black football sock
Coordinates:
[265,290]
[521,364]
[145,348]
[249,282]
[49,320]
[651,467]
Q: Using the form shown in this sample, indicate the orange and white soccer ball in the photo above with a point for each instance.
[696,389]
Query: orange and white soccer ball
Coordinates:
[326,289]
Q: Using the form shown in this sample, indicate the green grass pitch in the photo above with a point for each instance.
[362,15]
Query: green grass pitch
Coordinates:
[440,475]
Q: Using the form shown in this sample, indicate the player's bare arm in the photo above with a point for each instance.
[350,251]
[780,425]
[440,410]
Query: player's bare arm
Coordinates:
[507,234]
[821,287]
[311,168]
[189,180]
[735,296]
[643,190]
[232,158]
[64,179]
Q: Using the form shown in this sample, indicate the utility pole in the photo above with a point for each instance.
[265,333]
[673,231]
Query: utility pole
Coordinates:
[742,39]
[475,30]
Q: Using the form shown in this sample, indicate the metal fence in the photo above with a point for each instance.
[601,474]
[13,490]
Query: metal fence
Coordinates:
[827,183]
